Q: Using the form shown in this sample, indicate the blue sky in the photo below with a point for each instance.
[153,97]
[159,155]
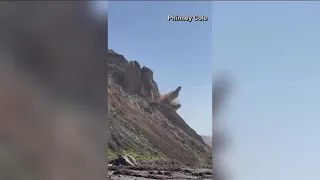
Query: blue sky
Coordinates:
[179,53]
[272,50]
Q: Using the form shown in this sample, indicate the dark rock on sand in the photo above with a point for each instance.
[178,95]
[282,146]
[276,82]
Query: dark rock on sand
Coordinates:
[125,160]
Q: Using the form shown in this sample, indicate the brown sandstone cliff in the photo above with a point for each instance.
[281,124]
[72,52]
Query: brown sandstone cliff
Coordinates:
[142,121]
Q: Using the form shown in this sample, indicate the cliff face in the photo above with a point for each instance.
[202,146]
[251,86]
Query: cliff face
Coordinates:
[141,120]
[131,77]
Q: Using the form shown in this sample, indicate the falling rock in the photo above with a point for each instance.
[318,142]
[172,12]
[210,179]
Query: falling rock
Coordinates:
[169,97]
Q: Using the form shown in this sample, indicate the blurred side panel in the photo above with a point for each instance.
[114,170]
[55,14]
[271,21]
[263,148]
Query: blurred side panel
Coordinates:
[53,100]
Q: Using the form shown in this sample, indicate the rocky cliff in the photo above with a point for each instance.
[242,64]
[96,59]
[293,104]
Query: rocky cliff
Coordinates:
[144,122]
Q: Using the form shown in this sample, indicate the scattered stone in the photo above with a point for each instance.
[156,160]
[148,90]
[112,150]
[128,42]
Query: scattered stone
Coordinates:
[187,171]
[123,160]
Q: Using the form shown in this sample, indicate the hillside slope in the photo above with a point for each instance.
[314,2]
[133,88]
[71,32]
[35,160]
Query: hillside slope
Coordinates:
[207,140]
[141,123]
